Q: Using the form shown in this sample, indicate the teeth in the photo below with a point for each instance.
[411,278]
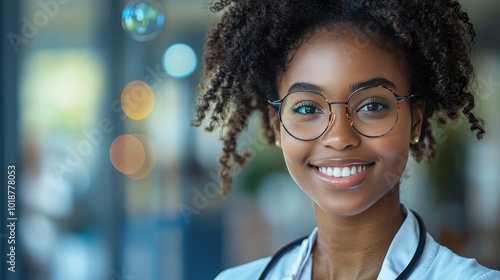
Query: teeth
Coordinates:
[329,172]
[353,170]
[338,172]
[346,172]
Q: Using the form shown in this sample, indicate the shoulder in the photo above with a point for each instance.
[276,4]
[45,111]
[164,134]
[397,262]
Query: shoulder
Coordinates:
[250,270]
[462,267]
[448,265]
[285,263]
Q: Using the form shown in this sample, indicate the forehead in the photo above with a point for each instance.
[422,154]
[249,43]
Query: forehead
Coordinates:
[336,63]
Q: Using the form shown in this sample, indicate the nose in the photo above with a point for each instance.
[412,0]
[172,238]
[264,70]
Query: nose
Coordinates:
[340,134]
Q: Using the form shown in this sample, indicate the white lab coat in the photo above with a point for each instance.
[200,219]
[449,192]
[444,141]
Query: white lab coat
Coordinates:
[437,262]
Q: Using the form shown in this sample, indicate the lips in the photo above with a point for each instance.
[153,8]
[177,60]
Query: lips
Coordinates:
[343,174]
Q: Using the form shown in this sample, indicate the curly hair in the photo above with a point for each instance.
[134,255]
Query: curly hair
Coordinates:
[248,50]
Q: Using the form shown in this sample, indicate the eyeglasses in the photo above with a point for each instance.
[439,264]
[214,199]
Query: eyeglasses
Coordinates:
[371,111]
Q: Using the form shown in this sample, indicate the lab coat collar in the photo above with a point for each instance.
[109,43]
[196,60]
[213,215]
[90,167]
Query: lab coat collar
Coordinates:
[402,248]
[399,255]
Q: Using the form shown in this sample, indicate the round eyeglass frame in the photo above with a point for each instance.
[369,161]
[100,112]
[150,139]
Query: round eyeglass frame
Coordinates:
[277,104]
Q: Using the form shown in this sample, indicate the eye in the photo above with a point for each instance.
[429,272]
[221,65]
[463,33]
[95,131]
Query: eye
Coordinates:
[306,108]
[374,105]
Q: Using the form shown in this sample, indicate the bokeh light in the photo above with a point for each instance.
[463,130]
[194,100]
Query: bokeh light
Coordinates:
[133,155]
[127,154]
[150,158]
[137,100]
[143,20]
[179,61]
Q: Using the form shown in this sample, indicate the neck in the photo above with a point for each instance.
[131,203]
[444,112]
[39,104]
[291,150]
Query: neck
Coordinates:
[355,247]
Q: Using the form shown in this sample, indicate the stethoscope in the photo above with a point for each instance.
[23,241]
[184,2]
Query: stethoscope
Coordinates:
[404,274]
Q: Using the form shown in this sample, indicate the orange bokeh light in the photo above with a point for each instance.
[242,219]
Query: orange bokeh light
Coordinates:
[127,154]
[137,100]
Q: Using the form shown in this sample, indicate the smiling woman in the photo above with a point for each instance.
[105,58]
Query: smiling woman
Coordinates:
[344,143]
[347,90]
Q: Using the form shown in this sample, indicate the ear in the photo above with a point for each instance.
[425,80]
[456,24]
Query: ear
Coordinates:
[274,123]
[417,119]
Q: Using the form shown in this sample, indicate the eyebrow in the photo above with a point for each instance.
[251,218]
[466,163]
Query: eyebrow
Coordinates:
[372,83]
[312,88]
[305,87]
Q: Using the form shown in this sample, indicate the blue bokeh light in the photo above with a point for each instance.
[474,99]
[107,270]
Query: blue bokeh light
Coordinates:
[143,20]
[180,61]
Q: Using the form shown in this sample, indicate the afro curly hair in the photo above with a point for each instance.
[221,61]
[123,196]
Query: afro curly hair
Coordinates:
[248,49]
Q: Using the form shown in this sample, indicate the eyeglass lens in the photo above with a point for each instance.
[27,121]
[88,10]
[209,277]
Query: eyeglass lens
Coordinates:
[373,112]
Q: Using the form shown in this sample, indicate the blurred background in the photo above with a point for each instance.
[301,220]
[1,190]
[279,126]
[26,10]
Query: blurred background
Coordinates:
[113,182]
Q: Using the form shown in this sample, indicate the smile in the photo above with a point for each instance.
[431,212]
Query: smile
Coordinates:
[339,172]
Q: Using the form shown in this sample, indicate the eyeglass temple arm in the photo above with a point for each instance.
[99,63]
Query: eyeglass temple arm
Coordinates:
[276,104]
[399,97]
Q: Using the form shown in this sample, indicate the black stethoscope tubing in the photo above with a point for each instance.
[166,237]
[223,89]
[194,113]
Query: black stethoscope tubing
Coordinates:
[404,274]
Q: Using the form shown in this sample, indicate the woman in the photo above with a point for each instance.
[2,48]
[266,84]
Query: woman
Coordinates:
[347,90]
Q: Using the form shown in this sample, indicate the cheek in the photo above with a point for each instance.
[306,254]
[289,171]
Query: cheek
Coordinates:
[394,149]
[393,159]
[296,154]
[294,151]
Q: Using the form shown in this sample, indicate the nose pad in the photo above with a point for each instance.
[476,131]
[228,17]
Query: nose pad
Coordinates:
[332,120]
[343,137]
